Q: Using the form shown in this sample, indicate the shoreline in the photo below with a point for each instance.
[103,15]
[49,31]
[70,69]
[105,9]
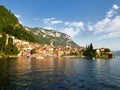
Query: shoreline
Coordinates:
[16,56]
[9,56]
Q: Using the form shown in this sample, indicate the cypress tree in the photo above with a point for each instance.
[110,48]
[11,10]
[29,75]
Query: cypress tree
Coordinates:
[89,53]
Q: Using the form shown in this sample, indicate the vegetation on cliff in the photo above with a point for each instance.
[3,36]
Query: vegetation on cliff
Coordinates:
[9,24]
[7,48]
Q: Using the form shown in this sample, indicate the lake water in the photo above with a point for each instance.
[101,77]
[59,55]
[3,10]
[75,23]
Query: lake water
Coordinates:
[59,74]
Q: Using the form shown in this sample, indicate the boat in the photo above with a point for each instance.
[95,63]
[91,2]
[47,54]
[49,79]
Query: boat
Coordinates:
[39,57]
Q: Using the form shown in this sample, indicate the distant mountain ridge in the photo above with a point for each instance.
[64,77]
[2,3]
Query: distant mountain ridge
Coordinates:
[46,36]
[117,53]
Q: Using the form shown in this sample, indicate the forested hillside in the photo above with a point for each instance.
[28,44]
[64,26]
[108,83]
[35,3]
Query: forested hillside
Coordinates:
[9,24]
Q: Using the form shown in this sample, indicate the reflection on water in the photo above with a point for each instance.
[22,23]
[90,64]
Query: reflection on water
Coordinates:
[59,74]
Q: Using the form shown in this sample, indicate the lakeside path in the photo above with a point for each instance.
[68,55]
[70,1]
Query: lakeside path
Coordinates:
[11,56]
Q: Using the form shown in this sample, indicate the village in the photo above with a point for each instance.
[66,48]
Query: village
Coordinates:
[29,49]
[37,50]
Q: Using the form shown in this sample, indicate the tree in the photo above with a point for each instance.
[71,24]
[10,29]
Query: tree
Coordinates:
[11,50]
[91,47]
[10,41]
[8,50]
[2,41]
[15,50]
[107,50]
[33,51]
[89,53]
[8,29]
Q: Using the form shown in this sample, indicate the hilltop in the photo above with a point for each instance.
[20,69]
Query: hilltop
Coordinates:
[47,36]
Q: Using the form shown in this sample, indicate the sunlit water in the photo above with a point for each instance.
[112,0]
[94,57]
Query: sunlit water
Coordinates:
[59,74]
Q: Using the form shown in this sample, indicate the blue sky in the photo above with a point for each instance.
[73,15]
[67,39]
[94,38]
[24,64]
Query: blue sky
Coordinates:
[86,21]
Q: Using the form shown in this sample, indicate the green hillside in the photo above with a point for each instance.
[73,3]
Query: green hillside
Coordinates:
[10,25]
[7,18]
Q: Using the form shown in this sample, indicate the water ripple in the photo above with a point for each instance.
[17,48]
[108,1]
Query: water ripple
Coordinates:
[60,74]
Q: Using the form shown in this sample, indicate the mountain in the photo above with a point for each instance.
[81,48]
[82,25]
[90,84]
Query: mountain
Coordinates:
[9,24]
[46,36]
[117,53]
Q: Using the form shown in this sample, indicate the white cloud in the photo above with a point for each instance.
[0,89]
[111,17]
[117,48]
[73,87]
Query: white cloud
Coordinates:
[67,23]
[56,22]
[90,27]
[75,24]
[110,35]
[52,21]
[73,28]
[114,24]
[18,16]
[107,25]
[101,25]
[71,31]
[110,23]
[70,28]
[49,19]
[50,28]
[110,14]
[36,19]
[46,20]
[112,11]
[115,6]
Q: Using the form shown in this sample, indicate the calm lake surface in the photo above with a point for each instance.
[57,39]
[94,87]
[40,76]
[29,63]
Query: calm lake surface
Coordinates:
[59,74]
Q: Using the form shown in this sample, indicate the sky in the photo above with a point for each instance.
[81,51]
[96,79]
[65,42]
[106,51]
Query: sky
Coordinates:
[86,21]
